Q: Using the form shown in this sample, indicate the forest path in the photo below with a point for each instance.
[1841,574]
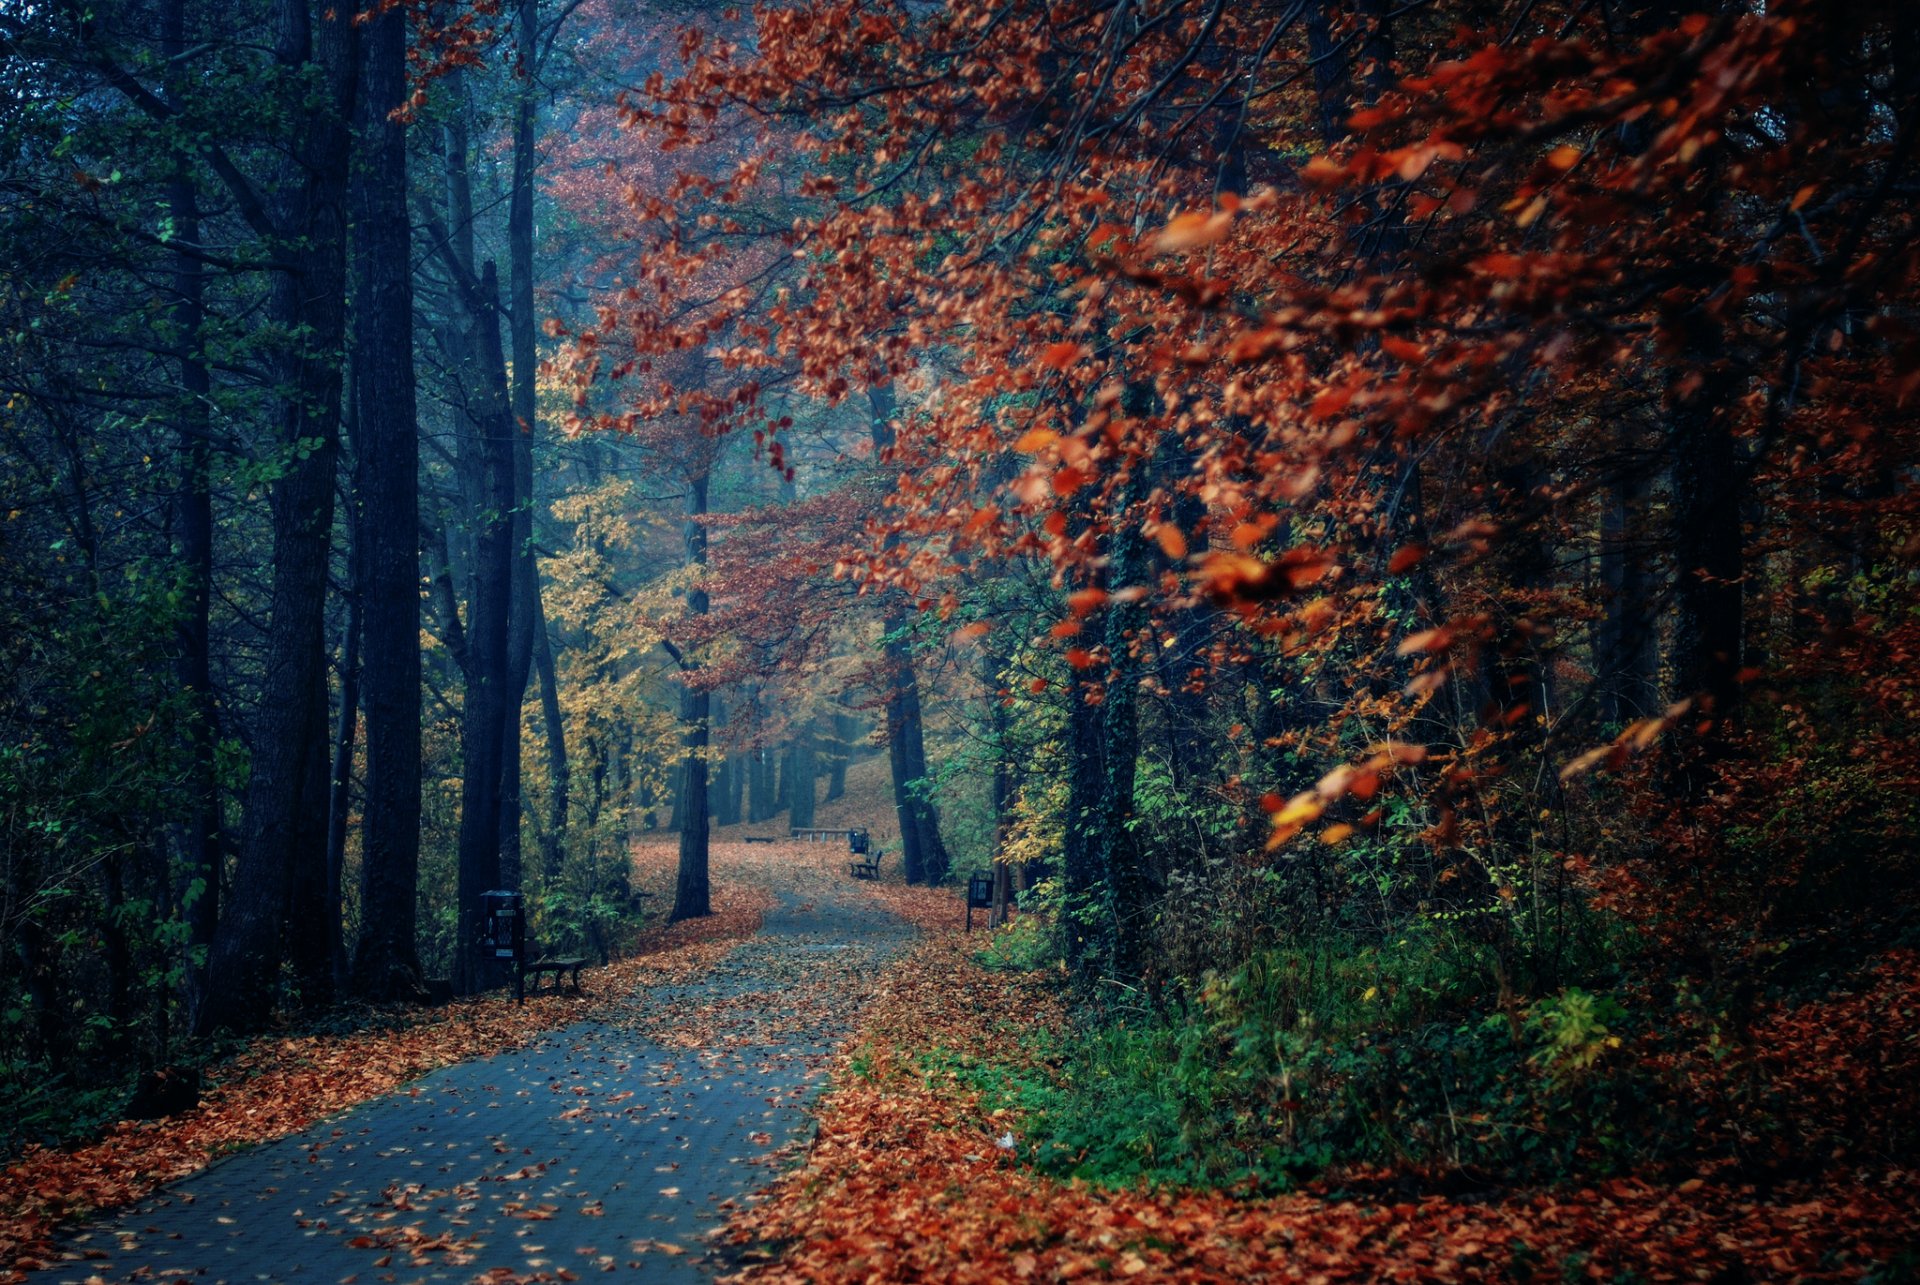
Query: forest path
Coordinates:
[610,1146]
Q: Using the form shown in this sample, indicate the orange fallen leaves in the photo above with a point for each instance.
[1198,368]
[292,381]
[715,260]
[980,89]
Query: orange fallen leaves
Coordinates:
[906,1182]
[281,1084]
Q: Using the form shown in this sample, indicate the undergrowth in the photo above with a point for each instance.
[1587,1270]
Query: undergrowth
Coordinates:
[1335,1058]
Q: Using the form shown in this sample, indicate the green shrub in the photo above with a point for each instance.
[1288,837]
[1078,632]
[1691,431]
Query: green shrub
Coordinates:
[1331,1052]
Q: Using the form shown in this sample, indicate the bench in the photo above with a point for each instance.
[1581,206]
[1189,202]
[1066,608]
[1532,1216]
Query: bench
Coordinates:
[866,865]
[758,838]
[570,966]
[809,835]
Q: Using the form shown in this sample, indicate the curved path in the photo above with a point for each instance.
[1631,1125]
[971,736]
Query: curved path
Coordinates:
[606,1147]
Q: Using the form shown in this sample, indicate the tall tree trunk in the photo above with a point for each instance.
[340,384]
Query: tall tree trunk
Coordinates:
[722,800]
[1708,557]
[762,798]
[523,611]
[924,855]
[193,521]
[801,773]
[340,779]
[845,728]
[1006,773]
[559,773]
[307,306]
[1119,711]
[691,896]
[119,955]
[386,964]
[733,785]
[1083,871]
[483,721]
[1626,642]
[312,921]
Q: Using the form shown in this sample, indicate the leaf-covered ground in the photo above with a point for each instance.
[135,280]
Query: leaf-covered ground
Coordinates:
[912,1177]
[280,1084]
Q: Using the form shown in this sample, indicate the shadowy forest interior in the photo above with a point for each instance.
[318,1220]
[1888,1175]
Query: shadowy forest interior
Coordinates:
[1387,532]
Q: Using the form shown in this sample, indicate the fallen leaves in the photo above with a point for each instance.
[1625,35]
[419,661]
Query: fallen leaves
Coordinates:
[905,1183]
[282,1083]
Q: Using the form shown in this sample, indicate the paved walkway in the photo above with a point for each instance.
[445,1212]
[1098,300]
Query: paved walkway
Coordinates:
[604,1148]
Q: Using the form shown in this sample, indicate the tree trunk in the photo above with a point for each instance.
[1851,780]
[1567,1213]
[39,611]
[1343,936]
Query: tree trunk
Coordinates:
[559,773]
[924,855]
[762,798]
[845,728]
[1627,657]
[483,721]
[193,521]
[801,773]
[1083,872]
[306,304]
[340,779]
[1706,539]
[677,804]
[386,964]
[1005,775]
[312,920]
[523,610]
[1119,713]
[691,898]
[722,800]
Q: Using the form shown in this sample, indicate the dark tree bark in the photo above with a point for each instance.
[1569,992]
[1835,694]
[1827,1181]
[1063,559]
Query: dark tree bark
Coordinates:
[736,784]
[762,797]
[340,779]
[1083,869]
[677,803]
[1006,780]
[484,719]
[801,774]
[1120,717]
[312,919]
[193,525]
[487,465]
[1708,556]
[307,305]
[386,965]
[845,728]
[924,855]
[1628,659]
[691,895]
[559,773]
[523,610]
[1332,63]
[723,795]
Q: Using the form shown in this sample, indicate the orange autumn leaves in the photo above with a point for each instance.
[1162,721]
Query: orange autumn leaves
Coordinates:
[908,1181]
[281,1084]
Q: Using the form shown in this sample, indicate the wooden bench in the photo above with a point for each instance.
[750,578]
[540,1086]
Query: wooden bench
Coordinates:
[570,966]
[809,835]
[758,838]
[867,865]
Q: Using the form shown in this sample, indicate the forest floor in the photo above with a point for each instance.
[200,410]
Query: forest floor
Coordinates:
[573,1134]
[915,1176]
[667,1127]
